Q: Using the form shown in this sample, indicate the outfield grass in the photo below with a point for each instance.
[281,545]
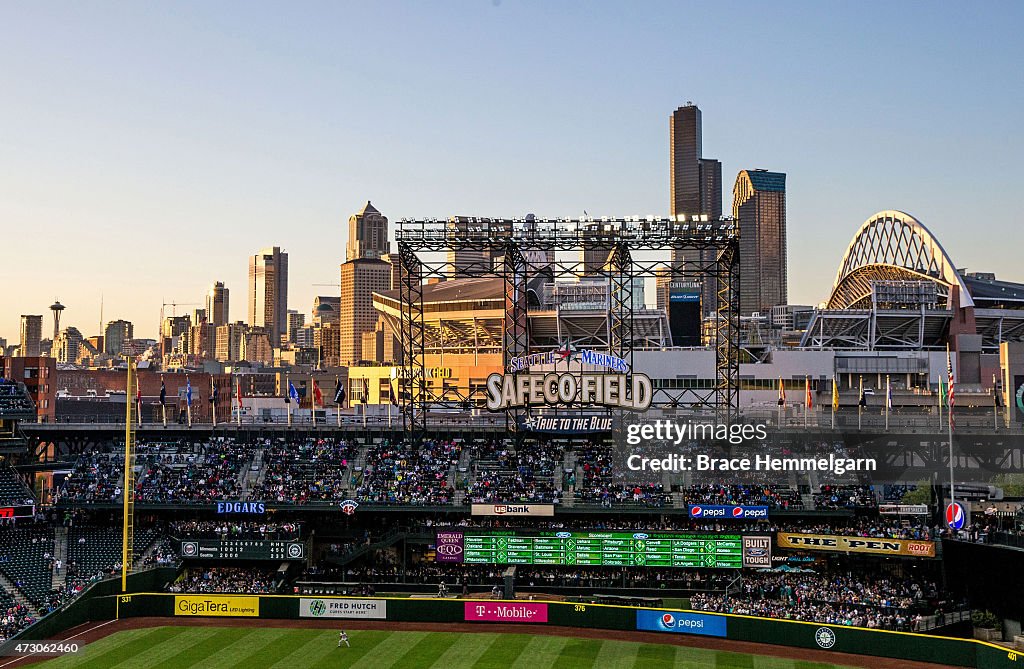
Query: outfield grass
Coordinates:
[263,648]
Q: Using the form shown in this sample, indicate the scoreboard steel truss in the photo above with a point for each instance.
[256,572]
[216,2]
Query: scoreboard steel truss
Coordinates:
[518,250]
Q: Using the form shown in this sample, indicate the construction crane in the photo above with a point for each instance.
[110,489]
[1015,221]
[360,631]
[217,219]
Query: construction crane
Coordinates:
[174,308]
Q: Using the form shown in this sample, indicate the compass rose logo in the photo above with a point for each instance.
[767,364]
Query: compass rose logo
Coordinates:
[824,637]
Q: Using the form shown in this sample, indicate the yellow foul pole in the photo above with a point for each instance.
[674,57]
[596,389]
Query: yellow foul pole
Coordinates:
[128,490]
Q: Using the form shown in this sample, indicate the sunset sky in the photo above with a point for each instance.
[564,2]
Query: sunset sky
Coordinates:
[146,149]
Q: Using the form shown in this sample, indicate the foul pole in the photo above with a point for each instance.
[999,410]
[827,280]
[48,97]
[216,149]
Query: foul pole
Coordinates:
[128,490]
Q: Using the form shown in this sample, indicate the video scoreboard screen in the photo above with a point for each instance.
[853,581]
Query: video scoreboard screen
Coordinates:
[636,549]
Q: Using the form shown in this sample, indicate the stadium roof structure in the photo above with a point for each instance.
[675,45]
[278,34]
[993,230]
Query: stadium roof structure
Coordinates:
[893,248]
[468,314]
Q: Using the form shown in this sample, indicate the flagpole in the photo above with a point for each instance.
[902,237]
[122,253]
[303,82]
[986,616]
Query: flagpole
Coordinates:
[807,395]
[861,400]
[337,404]
[312,397]
[887,401]
[138,398]
[995,405]
[949,420]
[163,400]
[188,401]
[835,398]
[213,400]
[238,398]
[288,396]
[941,400]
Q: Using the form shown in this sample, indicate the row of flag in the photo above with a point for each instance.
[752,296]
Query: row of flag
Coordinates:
[291,396]
[946,392]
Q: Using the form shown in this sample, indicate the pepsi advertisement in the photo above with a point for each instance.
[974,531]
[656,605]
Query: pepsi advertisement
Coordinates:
[648,620]
[728,511]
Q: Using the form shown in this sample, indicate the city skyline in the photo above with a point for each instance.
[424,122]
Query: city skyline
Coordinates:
[221,177]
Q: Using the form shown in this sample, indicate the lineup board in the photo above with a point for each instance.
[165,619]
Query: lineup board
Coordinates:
[637,549]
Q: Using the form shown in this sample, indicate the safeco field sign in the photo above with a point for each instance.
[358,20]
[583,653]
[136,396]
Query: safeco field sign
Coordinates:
[376,609]
[213,605]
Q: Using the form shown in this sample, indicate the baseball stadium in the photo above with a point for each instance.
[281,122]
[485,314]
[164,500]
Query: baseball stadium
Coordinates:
[407,525]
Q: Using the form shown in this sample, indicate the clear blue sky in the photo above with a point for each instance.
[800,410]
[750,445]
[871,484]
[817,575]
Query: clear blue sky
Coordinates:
[146,149]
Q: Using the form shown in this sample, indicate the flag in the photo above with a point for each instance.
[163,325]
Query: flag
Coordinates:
[213,394]
[188,391]
[392,392]
[952,380]
[318,397]
[942,393]
[366,391]
[292,393]
[163,392]
[238,390]
[339,393]
[951,393]
[835,395]
[782,393]
[863,401]
[888,394]
[808,402]
[997,395]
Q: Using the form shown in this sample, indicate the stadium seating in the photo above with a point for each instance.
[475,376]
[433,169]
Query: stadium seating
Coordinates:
[25,559]
[13,490]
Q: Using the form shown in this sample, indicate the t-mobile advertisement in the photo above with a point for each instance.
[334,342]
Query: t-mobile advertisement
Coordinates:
[501,612]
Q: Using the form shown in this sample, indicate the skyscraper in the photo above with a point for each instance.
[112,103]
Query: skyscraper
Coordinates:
[116,336]
[268,292]
[695,183]
[759,203]
[65,345]
[367,234]
[31,335]
[359,280]
[217,304]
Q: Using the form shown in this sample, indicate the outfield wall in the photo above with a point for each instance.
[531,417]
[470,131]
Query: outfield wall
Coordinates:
[860,641]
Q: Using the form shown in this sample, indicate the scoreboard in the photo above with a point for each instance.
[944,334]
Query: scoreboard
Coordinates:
[635,549]
[243,549]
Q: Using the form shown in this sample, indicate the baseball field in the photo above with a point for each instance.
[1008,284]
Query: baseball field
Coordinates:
[212,647]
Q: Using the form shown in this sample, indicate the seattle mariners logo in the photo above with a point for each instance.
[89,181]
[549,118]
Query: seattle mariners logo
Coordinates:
[295,552]
[825,637]
[317,607]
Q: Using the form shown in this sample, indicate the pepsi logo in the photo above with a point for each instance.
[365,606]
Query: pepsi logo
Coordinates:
[737,511]
[696,512]
[955,515]
[668,620]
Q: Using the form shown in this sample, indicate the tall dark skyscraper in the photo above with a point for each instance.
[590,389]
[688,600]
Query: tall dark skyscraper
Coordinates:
[695,182]
[759,202]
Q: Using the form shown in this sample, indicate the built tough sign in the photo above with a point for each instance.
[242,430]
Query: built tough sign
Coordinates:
[838,544]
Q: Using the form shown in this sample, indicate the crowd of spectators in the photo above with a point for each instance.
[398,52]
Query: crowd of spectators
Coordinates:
[314,470]
[853,496]
[507,473]
[862,600]
[234,529]
[95,478]
[15,618]
[402,474]
[191,472]
[593,482]
[760,494]
[226,579]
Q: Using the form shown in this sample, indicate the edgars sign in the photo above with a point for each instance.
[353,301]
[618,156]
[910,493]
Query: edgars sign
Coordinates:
[241,507]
